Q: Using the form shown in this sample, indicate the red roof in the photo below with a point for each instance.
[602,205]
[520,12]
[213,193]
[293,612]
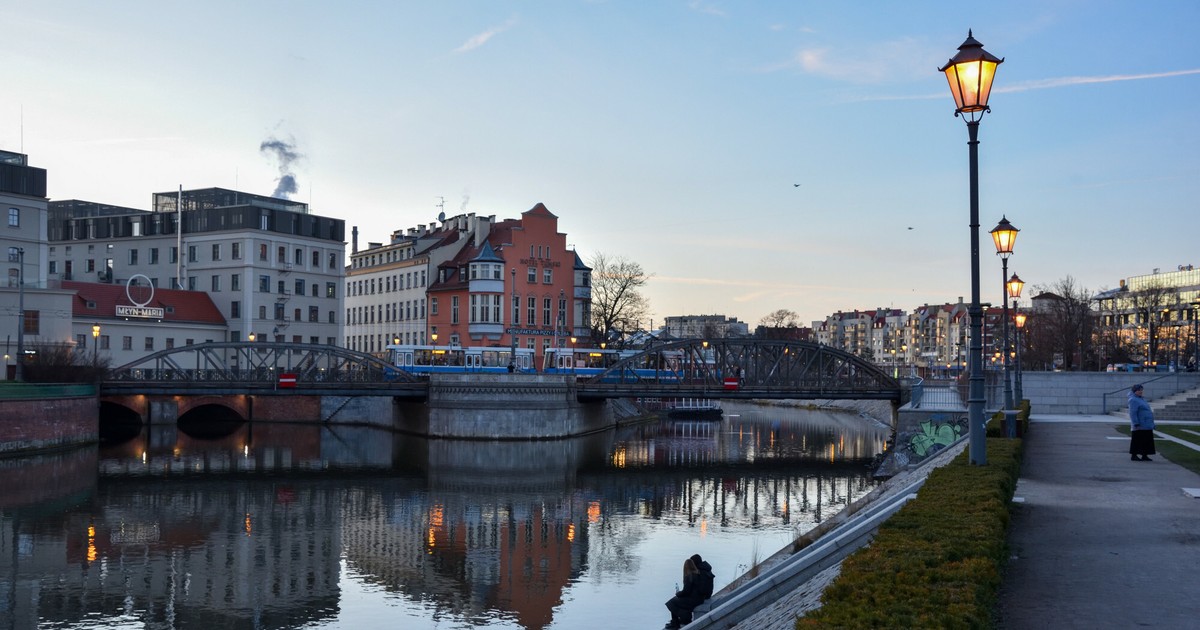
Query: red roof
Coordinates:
[178,306]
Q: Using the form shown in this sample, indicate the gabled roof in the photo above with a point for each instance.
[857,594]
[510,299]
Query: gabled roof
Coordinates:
[539,210]
[579,266]
[178,306]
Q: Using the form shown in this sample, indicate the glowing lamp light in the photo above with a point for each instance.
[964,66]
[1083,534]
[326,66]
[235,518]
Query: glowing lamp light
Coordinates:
[1004,235]
[970,74]
[1015,284]
[1021,320]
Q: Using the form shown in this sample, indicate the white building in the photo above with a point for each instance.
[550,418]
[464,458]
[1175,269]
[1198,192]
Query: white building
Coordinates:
[270,266]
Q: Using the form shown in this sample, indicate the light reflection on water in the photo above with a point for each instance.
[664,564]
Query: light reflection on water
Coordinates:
[295,525]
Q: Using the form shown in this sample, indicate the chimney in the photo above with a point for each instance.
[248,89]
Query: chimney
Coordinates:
[354,240]
[483,229]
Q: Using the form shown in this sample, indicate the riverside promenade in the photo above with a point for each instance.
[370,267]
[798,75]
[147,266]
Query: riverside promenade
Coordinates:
[1097,540]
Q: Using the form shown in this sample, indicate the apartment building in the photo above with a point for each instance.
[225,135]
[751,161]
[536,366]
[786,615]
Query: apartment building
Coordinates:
[704,326]
[272,268]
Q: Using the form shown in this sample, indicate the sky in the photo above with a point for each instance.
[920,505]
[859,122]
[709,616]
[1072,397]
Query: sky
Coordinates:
[751,156]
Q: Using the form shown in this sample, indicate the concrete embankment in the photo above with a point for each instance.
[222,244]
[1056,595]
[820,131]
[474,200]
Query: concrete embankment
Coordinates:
[791,581]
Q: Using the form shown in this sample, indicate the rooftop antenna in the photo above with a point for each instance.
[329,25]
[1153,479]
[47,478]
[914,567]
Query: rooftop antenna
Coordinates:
[441,204]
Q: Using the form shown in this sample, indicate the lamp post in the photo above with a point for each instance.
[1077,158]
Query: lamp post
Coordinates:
[1004,235]
[1196,334]
[970,74]
[95,344]
[1020,338]
[512,333]
[1013,286]
[20,314]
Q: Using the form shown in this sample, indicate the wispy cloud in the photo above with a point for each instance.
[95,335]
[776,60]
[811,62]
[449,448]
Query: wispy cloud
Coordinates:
[482,38]
[706,7]
[883,61]
[1046,84]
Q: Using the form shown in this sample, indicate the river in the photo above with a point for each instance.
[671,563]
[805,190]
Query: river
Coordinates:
[302,526]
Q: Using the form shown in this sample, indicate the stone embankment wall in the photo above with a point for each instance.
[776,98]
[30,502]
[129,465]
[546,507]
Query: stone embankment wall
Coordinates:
[48,417]
[1087,392]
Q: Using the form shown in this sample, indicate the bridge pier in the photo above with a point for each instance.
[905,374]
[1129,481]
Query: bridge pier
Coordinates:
[503,406]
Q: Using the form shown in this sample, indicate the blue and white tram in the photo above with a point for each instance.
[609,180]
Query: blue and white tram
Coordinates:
[582,362]
[457,359]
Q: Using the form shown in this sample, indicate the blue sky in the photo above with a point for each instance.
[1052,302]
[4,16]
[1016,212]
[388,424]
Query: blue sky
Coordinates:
[672,133]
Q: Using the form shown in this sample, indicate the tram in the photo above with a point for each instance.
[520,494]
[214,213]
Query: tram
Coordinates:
[454,359]
[585,363]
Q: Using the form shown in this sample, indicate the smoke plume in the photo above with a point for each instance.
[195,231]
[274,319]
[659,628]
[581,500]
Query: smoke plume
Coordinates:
[286,155]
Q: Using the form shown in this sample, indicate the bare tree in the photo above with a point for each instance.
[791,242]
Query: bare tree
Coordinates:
[1060,331]
[617,301]
[780,318]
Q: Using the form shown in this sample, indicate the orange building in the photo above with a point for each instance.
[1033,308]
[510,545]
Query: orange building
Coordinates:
[516,281]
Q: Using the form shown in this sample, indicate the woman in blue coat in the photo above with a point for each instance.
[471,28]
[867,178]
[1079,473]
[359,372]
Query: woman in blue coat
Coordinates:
[1141,426]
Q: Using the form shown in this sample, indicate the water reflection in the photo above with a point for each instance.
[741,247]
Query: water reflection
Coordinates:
[277,526]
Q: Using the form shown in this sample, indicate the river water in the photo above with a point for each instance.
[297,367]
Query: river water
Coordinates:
[299,526]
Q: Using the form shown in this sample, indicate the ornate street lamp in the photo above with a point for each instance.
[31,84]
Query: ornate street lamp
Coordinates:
[970,74]
[250,337]
[1004,235]
[1020,339]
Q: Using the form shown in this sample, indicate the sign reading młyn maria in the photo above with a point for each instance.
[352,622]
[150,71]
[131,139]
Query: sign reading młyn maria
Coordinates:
[151,312]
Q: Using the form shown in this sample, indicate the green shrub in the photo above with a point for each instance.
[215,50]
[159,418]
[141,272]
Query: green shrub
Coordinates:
[937,562]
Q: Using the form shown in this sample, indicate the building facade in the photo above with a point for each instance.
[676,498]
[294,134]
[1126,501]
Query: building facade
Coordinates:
[271,267]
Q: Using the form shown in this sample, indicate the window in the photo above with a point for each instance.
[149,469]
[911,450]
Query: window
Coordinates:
[282,287]
[216,283]
[149,343]
[264,284]
[262,251]
[170,342]
[298,256]
[14,217]
[153,255]
[331,321]
[216,251]
[547,276]
[330,290]
[546,312]
[299,286]
[278,311]
[235,309]
[516,312]
[454,309]
[281,254]
[235,282]
[333,261]
[53,266]
[81,341]
[316,261]
[531,276]
[262,312]
[133,256]
[433,304]
[33,322]
[89,265]
[104,342]
[127,343]
[296,315]
[532,319]
[235,251]
[191,253]
[191,283]
[314,315]
[174,257]
[315,289]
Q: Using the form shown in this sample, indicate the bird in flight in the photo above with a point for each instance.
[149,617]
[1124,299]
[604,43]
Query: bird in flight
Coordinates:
[796,185]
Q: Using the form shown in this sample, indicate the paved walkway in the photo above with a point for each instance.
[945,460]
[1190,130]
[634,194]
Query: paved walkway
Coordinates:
[1097,540]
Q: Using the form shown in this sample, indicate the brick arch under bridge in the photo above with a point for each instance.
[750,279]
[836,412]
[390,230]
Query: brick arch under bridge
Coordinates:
[748,368]
[148,407]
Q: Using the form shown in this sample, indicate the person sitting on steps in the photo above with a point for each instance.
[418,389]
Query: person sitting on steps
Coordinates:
[697,587]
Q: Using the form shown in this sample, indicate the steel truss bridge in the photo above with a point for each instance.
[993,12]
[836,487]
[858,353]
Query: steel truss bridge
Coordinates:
[743,368]
[721,368]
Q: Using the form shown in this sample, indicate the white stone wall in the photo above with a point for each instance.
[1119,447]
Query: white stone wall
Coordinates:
[1086,392]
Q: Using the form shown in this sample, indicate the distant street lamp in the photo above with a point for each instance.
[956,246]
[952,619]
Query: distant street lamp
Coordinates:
[95,344]
[1014,286]
[434,338]
[1020,338]
[572,355]
[250,337]
[1196,334]
[1004,235]
[970,74]
[20,313]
